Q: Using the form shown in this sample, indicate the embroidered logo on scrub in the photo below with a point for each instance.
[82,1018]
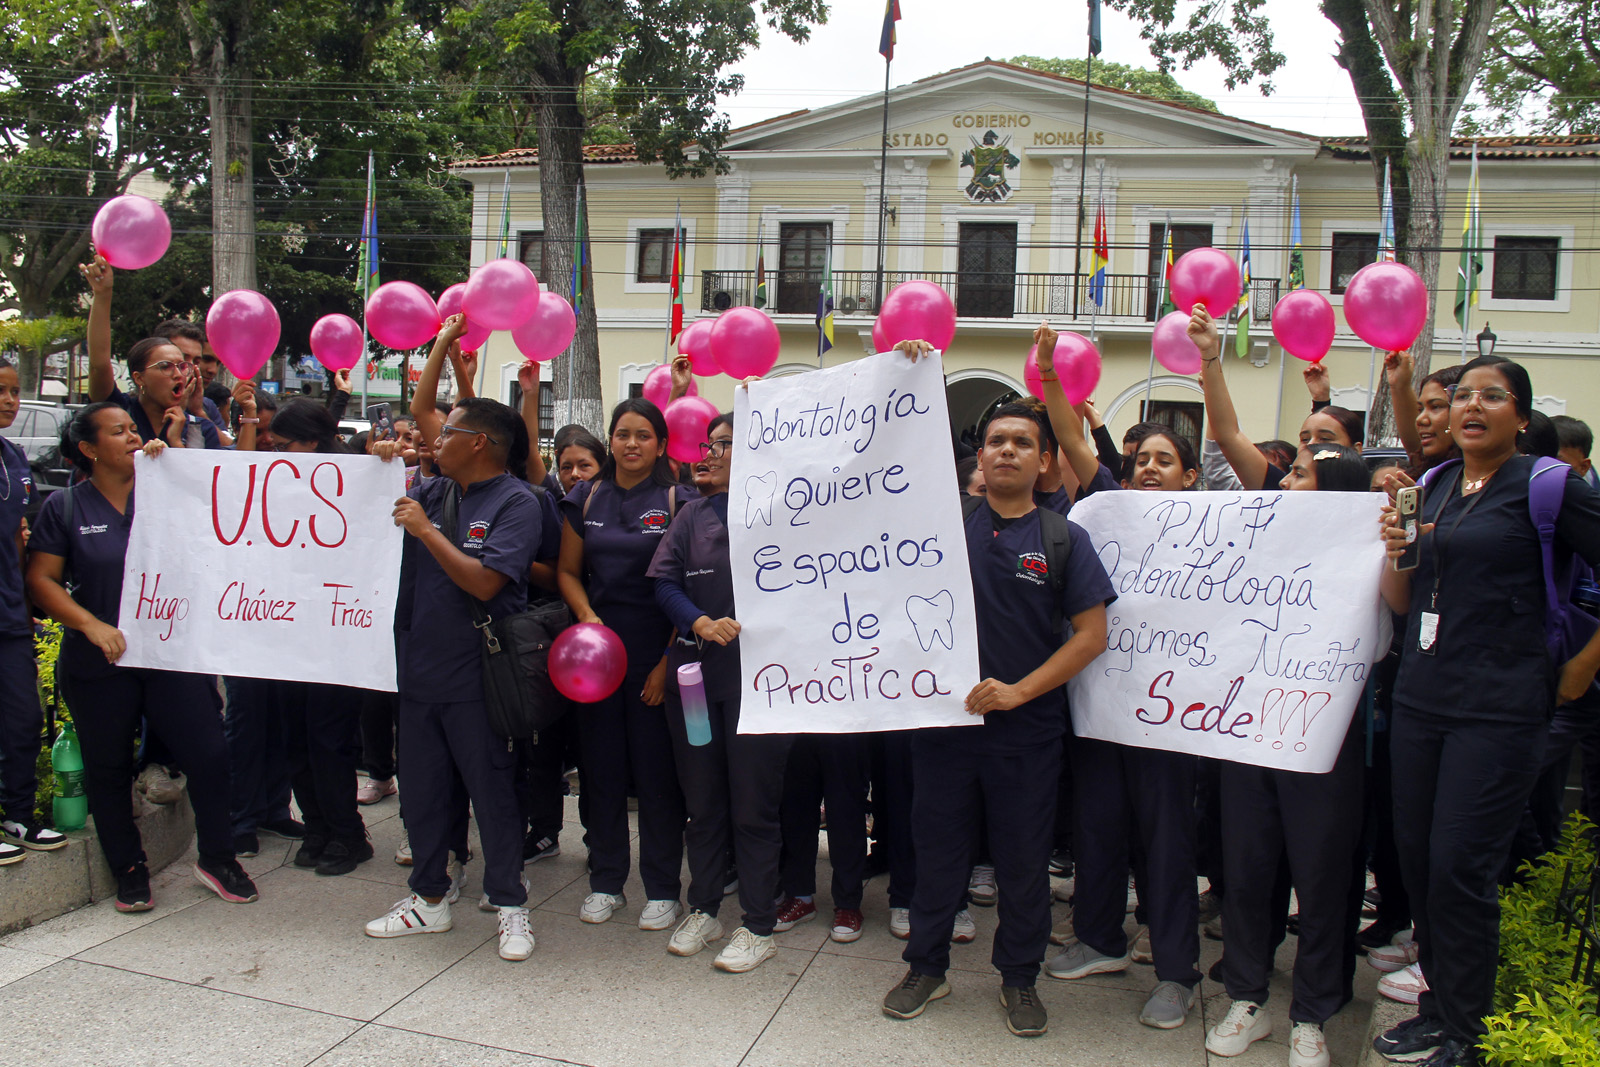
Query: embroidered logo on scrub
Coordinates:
[476,532]
[654,521]
[1032,566]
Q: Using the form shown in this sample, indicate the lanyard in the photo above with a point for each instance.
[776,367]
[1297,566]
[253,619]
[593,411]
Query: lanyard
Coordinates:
[1438,547]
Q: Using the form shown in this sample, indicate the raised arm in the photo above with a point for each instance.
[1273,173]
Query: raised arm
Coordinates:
[1067,423]
[100,277]
[528,382]
[425,398]
[1397,367]
[1248,463]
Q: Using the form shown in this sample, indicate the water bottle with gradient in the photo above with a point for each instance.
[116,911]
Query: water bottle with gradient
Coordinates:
[696,718]
[70,807]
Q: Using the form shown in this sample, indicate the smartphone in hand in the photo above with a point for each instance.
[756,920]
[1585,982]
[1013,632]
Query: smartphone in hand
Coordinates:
[1408,502]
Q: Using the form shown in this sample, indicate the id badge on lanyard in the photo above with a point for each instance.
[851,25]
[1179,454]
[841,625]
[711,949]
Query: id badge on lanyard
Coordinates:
[1428,621]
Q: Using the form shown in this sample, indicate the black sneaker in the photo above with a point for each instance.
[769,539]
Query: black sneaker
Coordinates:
[310,850]
[10,853]
[133,889]
[287,829]
[1061,863]
[29,836]
[1415,1039]
[226,879]
[1452,1053]
[246,845]
[906,1000]
[1024,1014]
[339,858]
[534,850]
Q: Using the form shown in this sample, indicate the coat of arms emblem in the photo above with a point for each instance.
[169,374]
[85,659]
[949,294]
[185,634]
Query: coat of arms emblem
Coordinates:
[988,168]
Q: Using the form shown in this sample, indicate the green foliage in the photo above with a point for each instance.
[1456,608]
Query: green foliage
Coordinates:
[1542,1016]
[46,650]
[1152,83]
[1543,67]
[1235,33]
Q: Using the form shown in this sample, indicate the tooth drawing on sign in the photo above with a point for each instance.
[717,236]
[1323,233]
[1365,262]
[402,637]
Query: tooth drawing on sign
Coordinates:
[758,493]
[931,619]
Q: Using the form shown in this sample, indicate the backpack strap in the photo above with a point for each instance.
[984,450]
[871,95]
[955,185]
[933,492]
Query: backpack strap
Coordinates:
[1057,535]
[1545,493]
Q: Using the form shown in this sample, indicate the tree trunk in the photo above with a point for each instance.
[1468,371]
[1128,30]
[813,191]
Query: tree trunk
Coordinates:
[561,129]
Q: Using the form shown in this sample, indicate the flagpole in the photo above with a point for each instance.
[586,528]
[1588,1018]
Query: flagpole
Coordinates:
[672,297]
[883,203]
[1100,206]
[366,286]
[1277,417]
[1083,167]
[1150,376]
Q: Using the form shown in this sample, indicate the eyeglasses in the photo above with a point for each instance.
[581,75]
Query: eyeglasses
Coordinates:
[446,430]
[163,365]
[715,449]
[1492,397]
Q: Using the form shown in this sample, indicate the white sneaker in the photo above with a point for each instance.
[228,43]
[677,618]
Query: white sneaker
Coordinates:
[1308,1047]
[483,901]
[1140,951]
[694,933]
[597,907]
[900,923]
[966,929]
[1403,952]
[413,915]
[1405,985]
[1063,889]
[1246,1023]
[516,937]
[659,914]
[981,886]
[402,855]
[458,878]
[745,952]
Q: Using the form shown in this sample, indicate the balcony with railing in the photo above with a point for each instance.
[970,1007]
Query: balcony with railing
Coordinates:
[1128,298]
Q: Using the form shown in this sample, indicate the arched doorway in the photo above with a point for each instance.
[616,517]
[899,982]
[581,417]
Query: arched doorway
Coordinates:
[972,394]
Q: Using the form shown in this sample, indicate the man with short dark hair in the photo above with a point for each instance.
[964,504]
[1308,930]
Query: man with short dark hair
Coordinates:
[444,725]
[1577,441]
[1004,770]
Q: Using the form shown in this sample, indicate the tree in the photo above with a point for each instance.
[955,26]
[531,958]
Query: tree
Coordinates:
[662,61]
[1152,83]
[1543,67]
[1411,64]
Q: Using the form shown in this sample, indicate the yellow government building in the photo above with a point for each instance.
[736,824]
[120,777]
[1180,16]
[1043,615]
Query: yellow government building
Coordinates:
[806,185]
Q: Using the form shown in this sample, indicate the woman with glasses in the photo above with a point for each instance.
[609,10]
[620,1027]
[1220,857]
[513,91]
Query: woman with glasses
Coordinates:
[1475,687]
[163,380]
[733,785]
[613,526]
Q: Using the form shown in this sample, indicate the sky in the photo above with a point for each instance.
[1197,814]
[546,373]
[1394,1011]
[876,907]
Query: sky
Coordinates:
[1313,93]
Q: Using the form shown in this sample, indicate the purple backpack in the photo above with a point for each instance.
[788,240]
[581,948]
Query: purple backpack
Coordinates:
[1567,627]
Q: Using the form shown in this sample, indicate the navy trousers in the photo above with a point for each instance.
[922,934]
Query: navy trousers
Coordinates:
[320,722]
[892,795]
[1017,791]
[444,748]
[834,768]
[21,727]
[1122,794]
[258,761]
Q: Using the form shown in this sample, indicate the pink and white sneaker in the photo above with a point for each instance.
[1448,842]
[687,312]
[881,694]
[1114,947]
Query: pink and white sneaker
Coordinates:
[1405,985]
[1402,952]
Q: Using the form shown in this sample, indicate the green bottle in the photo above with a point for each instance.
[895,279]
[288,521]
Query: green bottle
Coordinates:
[70,807]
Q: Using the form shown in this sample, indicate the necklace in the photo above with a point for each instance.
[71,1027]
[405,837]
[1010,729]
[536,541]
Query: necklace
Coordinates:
[1472,485]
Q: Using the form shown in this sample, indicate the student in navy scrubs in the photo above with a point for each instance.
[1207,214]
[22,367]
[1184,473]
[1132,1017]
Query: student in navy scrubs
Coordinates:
[445,735]
[1310,819]
[614,524]
[1129,803]
[1473,696]
[21,719]
[1007,766]
[88,546]
[733,785]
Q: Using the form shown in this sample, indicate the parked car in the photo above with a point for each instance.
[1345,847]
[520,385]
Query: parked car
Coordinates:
[37,431]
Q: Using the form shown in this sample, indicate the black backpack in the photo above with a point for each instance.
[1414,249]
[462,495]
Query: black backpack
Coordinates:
[1057,536]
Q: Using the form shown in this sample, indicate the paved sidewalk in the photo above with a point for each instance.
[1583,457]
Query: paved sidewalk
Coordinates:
[292,980]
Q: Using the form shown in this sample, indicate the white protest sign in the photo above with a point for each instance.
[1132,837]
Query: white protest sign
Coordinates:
[1245,624]
[849,559]
[264,565]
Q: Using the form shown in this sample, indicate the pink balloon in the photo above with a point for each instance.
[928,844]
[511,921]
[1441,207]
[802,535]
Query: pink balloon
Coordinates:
[1386,305]
[687,419]
[501,294]
[1205,276]
[587,662]
[336,341]
[402,315]
[745,342]
[1303,324]
[1173,347]
[450,304]
[880,340]
[917,311]
[131,231]
[695,342]
[243,327]
[658,386]
[1077,364]
[548,331]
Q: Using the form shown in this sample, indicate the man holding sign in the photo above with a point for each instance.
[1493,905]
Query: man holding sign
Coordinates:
[1031,569]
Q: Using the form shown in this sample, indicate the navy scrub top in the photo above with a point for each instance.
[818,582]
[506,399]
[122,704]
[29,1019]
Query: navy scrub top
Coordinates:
[1491,661]
[497,523]
[94,542]
[147,432]
[620,535]
[16,493]
[694,557]
[1013,597]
